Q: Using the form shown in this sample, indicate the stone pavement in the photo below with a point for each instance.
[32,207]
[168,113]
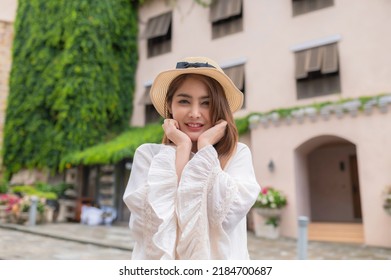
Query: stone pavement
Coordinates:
[118,245]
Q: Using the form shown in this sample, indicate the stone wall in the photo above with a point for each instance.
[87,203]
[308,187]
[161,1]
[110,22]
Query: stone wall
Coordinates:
[6,36]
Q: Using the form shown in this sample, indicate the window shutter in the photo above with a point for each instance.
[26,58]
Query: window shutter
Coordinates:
[298,7]
[330,59]
[314,61]
[325,3]
[158,26]
[222,9]
[145,98]
[236,74]
[300,59]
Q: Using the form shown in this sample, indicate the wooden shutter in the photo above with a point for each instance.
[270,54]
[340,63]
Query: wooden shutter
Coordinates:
[236,74]
[145,99]
[305,6]
[300,60]
[222,9]
[314,59]
[330,59]
[323,59]
[158,26]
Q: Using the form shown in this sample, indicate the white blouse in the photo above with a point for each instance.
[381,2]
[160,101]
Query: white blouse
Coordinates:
[201,217]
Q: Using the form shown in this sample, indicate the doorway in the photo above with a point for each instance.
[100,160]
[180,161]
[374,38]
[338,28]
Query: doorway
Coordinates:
[334,184]
[328,189]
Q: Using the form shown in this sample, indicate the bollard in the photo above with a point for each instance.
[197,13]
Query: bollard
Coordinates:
[302,241]
[33,211]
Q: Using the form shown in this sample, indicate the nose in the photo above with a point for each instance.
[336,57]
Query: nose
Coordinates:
[195,111]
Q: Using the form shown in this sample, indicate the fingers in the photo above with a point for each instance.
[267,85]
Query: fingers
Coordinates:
[213,135]
[170,123]
[174,134]
[221,123]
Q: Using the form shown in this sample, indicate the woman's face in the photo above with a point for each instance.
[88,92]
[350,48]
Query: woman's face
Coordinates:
[191,108]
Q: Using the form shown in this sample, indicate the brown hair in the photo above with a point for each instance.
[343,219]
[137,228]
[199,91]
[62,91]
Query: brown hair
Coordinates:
[219,110]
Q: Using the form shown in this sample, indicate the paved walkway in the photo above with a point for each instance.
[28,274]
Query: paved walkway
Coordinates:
[117,238]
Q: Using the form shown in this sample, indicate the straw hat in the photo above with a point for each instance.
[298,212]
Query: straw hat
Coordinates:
[195,65]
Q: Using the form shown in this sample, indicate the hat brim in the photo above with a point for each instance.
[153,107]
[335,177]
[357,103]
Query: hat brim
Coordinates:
[163,80]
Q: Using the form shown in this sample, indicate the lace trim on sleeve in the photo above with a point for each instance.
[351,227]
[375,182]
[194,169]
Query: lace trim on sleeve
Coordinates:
[142,223]
[162,181]
[192,208]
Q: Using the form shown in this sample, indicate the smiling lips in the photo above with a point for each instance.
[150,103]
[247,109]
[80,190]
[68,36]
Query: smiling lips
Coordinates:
[194,126]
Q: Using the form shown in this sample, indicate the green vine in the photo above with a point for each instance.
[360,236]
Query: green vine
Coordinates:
[72,79]
[123,146]
[286,112]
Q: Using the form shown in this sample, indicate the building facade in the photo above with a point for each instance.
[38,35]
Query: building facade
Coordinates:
[324,65]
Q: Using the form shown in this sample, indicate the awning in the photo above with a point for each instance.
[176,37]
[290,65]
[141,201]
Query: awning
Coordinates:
[145,98]
[222,9]
[236,74]
[158,26]
[324,59]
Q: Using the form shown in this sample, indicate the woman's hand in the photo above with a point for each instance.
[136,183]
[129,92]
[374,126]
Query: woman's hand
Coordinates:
[172,131]
[212,135]
[182,141]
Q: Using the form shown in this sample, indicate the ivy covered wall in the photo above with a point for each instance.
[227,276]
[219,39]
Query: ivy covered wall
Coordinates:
[72,78]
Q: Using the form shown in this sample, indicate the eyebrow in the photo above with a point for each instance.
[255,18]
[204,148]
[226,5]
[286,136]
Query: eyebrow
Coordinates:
[189,96]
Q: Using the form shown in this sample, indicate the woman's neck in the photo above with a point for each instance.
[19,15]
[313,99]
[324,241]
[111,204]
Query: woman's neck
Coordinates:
[194,148]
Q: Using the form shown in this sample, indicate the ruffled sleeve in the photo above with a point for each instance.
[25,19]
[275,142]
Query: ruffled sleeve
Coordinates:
[150,196]
[212,202]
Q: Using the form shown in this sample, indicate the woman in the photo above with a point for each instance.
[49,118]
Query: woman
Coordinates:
[189,196]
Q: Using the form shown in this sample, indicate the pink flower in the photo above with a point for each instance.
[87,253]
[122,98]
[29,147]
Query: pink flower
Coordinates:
[9,200]
[265,190]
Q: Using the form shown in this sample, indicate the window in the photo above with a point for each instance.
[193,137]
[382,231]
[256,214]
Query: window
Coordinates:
[226,17]
[151,115]
[317,71]
[236,74]
[305,6]
[158,34]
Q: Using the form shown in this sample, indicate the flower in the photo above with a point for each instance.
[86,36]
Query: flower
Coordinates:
[270,197]
[9,200]
[269,203]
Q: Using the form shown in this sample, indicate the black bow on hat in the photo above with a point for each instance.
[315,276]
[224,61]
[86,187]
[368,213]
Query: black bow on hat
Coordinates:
[184,64]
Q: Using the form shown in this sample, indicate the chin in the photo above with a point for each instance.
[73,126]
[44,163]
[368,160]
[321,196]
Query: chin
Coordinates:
[193,137]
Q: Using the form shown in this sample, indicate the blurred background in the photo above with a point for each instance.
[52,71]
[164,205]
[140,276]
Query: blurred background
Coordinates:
[74,105]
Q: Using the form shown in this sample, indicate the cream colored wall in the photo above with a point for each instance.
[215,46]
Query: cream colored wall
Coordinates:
[246,139]
[371,138]
[361,25]
[266,45]
[8,10]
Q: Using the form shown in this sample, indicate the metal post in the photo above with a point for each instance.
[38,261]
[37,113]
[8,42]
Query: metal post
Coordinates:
[302,242]
[33,211]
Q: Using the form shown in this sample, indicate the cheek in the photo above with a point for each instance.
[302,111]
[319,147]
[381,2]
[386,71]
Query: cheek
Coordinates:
[177,115]
[207,116]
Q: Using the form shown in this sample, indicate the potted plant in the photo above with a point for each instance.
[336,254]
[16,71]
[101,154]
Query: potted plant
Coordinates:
[269,205]
[21,210]
[7,201]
